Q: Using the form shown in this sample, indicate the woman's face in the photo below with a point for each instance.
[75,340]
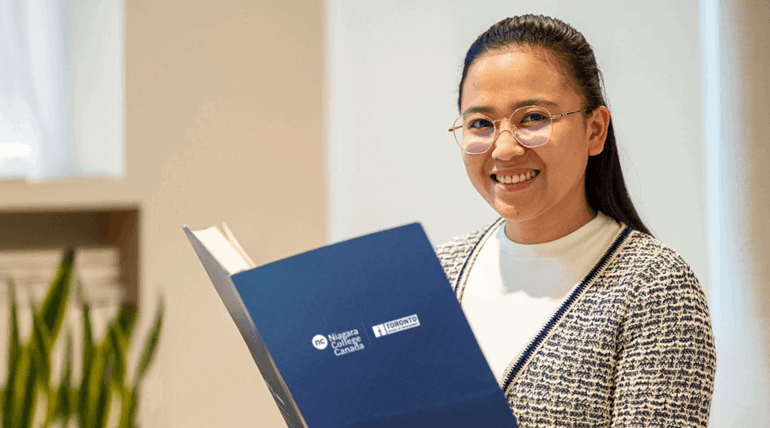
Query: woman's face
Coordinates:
[550,202]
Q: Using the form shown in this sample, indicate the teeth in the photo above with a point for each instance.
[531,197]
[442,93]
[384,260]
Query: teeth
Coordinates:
[513,179]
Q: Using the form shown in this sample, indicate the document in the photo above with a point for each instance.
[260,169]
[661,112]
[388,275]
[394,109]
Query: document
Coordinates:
[362,333]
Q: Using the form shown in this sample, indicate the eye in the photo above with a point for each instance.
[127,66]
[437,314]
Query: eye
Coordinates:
[535,117]
[532,118]
[479,124]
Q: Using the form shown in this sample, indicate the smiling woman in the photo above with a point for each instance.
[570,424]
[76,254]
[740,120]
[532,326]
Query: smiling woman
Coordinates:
[550,201]
[584,317]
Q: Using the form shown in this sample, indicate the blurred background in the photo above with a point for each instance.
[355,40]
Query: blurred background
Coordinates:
[301,123]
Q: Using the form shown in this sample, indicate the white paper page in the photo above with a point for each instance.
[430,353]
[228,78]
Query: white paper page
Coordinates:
[234,242]
[218,245]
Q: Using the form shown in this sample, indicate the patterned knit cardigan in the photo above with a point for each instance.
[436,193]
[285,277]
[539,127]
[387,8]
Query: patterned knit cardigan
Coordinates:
[631,346]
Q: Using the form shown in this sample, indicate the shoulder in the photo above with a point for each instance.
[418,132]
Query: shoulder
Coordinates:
[460,244]
[661,288]
[655,266]
[454,253]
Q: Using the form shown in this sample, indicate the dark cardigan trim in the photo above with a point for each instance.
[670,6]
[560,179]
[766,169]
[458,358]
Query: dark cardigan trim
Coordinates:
[513,370]
[459,290]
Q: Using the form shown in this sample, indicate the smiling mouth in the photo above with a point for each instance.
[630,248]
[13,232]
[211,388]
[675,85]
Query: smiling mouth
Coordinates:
[513,179]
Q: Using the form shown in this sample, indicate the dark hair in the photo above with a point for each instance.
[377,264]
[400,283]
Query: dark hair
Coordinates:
[605,187]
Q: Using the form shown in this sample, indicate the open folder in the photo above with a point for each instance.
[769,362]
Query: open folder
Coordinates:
[362,333]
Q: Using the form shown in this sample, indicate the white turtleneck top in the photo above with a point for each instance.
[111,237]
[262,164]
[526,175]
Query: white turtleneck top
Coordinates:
[513,289]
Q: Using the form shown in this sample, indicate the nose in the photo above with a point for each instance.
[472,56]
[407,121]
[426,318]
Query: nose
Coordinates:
[506,146]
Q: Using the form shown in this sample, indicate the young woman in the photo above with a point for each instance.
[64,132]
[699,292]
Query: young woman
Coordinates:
[584,317]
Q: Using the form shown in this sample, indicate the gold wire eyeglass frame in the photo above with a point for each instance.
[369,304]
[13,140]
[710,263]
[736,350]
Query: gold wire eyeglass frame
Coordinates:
[551,118]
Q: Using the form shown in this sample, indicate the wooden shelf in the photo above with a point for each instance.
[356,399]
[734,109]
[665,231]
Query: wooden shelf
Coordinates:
[79,228]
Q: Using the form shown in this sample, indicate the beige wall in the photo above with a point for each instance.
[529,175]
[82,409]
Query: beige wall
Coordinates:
[224,122]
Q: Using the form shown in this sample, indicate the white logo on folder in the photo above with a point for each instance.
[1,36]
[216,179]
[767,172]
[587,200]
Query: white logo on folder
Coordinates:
[320,342]
[395,326]
[342,343]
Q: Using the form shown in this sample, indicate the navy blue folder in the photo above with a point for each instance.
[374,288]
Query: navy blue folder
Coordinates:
[363,333]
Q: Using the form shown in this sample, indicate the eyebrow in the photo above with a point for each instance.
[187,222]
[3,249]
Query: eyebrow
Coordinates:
[523,103]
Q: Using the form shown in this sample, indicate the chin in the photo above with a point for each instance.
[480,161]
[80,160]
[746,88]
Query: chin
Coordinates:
[514,213]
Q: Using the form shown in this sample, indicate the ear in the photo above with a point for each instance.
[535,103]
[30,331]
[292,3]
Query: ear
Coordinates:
[597,127]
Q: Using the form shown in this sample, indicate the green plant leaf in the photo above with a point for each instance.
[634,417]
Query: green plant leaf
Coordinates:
[102,410]
[127,406]
[134,407]
[120,335]
[14,356]
[26,391]
[40,346]
[99,393]
[14,339]
[52,400]
[90,392]
[150,344]
[126,318]
[120,347]
[89,351]
[46,323]
[55,302]
[64,406]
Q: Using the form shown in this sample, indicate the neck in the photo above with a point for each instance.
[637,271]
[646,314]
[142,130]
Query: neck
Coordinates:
[547,228]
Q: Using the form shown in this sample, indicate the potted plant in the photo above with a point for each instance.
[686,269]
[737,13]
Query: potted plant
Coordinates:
[87,400]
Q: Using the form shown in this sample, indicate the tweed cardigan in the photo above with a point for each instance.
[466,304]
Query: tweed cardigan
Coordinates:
[631,346]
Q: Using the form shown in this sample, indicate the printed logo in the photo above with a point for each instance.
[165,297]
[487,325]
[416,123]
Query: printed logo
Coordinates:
[342,343]
[395,326]
[320,342]
[379,330]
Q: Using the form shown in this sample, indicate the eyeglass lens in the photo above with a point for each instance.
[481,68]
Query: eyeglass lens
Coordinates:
[531,126]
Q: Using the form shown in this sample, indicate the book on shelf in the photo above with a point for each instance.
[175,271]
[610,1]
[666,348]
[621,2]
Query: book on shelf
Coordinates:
[361,333]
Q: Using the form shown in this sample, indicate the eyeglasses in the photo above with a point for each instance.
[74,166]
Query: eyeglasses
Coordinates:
[531,126]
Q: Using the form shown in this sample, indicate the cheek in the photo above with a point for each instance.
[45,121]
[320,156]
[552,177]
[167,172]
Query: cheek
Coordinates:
[467,161]
[473,166]
[569,169]
[567,159]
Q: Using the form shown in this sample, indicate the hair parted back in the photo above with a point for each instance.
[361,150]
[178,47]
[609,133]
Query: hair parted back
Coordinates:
[605,188]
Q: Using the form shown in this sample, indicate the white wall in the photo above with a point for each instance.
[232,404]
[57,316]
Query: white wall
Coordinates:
[97,88]
[736,70]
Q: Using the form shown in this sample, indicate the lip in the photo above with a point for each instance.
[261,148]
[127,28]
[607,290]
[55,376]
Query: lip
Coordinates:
[514,186]
[517,186]
[516,171]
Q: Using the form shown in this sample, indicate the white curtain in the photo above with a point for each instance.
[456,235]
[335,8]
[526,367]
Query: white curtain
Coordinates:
[46,132]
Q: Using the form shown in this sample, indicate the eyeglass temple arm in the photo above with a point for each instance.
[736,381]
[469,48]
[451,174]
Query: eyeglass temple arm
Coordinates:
[567,114]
